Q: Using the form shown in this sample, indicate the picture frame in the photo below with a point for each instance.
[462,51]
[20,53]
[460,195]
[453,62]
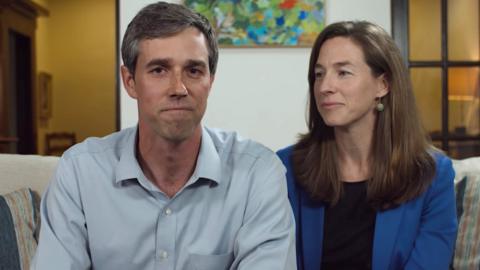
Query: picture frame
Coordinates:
[44,95]
[262,23]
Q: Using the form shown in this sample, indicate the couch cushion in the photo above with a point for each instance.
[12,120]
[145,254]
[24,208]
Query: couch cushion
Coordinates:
[18,171]
[467,247]
[465,166]
[18,226]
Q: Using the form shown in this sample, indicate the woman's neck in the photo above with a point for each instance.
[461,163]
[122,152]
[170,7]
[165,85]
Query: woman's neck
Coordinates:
[354,153]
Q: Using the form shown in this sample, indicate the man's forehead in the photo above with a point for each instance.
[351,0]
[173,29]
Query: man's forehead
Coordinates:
[189,41]
[187,35]
[177,46]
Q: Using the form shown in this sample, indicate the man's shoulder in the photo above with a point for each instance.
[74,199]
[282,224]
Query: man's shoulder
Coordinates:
[230,143]
[109,144]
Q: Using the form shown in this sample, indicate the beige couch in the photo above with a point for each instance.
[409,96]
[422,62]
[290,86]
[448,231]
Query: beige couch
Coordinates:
[32,171]
[17,171]
[19,218]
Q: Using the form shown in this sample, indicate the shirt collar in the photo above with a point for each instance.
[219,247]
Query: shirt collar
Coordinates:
[128,167]
[208,162]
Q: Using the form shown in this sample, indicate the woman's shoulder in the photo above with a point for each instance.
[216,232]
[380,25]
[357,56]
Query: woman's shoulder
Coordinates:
[285,155]
[443,166]
[440,158]
[444,174]
[286,151]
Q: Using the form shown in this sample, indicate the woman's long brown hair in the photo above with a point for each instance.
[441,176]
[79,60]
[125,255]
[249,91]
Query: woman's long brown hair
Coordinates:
[402,166]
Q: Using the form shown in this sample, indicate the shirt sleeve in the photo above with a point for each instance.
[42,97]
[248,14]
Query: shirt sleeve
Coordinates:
[438,229]
[63,233]
[266,239]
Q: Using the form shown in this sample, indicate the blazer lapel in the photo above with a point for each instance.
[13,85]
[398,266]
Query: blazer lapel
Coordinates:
[387,225]
[312,232]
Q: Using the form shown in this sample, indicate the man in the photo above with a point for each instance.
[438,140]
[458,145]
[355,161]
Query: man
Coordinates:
[169,193]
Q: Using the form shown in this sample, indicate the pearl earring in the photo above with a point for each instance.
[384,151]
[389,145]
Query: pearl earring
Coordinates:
[380,107]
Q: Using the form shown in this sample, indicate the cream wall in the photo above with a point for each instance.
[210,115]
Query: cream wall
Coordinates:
[261,92]
[76,45]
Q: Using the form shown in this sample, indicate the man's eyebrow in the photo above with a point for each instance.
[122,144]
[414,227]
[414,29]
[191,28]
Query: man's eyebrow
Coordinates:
[196,63]
[165,62]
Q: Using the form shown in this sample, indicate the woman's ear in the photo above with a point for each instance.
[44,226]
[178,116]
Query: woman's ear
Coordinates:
[383,86]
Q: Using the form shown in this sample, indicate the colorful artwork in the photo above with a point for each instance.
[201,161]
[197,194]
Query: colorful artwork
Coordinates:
[263,22]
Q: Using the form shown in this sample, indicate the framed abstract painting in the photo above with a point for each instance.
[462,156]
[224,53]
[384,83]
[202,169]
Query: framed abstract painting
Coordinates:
[263,23]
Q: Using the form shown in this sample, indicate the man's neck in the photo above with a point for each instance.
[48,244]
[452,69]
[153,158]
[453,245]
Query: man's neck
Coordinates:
[168,164]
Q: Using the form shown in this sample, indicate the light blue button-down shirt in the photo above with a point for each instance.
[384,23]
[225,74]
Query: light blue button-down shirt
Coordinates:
[101,212]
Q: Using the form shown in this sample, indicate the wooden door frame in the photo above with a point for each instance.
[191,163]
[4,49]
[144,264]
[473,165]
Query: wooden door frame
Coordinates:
[20,17]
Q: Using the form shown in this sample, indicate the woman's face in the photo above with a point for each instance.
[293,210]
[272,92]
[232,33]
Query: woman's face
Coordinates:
[345,89]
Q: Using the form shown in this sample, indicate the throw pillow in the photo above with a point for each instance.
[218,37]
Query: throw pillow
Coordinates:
[18,224]
[467,247]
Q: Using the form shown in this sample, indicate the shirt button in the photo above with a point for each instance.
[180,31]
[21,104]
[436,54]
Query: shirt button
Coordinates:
[163,255]
[168,211]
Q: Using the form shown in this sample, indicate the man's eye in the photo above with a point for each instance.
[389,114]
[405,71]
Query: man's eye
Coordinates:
[157,70]
[343,73]
[195,72]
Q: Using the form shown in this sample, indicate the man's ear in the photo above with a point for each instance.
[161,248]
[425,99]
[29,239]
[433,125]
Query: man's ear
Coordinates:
[212,79]
[128,81]
[383,86]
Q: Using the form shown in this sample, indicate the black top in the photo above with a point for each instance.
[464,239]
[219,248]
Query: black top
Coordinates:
[348,230]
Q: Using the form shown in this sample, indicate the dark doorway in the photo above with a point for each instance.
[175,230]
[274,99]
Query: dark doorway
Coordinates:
[20,93]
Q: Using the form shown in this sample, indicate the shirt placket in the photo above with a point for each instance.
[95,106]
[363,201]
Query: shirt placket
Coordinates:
[165,238]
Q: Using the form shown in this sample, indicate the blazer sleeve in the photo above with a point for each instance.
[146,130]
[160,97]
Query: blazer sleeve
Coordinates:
[434,244]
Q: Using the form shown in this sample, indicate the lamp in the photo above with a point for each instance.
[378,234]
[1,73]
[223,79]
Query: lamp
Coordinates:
[463,89]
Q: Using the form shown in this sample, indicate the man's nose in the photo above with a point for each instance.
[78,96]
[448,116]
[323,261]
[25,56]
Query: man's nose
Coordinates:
[177,86]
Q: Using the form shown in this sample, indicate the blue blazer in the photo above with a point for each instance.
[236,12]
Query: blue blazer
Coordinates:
[419,234]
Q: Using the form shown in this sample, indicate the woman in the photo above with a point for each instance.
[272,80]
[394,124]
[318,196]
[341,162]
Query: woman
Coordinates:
[367,189]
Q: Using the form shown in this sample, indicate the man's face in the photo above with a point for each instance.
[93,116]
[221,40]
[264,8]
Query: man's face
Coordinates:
[171,83]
